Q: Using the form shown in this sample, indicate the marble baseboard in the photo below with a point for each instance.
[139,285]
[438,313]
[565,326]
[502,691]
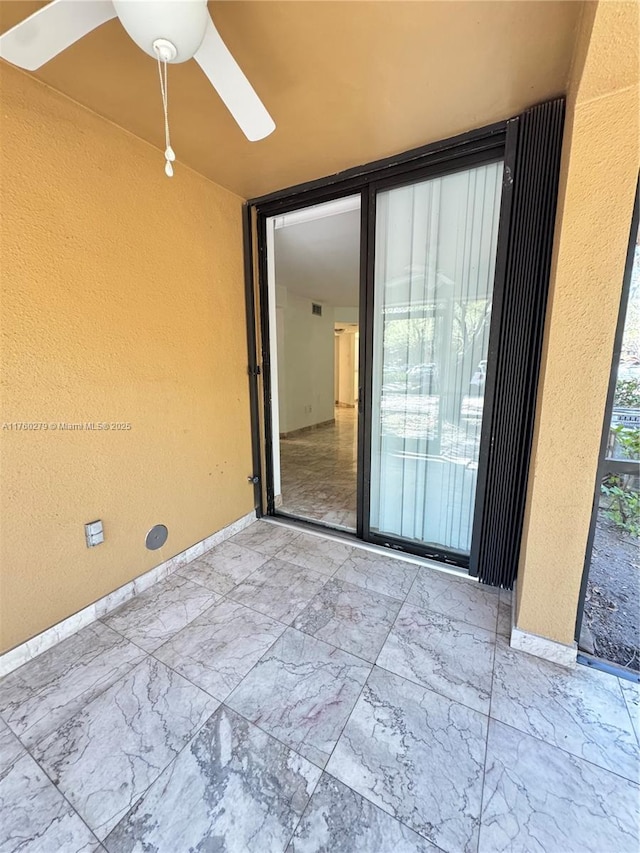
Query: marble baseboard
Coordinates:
[51,636]
[543,647]
[540,647]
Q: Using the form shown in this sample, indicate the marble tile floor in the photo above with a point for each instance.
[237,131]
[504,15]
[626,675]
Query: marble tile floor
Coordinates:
[318,471]
[286,692]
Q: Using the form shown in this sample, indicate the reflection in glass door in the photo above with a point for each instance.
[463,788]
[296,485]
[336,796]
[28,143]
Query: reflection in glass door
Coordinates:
[313,279]
[435,248]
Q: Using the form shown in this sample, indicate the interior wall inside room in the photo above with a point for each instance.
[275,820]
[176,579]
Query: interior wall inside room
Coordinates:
[122,300]
[347,315]
[346,357]
[305,362]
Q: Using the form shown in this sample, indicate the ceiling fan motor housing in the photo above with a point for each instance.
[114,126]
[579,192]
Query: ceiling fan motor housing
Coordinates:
[176,27]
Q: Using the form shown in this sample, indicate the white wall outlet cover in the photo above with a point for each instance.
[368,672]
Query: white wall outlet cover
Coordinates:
[94,533]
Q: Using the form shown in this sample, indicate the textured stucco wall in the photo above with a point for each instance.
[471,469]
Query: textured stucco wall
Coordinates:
[122,301]
[598,179]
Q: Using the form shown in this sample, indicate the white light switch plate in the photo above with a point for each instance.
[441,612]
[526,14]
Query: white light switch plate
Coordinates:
[94,533]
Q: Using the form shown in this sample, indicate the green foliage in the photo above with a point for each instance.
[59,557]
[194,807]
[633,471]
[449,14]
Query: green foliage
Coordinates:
[628,440]
[627,393]
[623,507]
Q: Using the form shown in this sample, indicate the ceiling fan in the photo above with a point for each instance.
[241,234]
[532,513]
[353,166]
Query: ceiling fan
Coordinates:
[171,31]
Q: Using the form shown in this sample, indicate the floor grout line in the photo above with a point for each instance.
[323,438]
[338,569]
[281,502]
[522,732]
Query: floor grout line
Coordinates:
[367,680]
[635,727]
[303,813]
[290,626]
[489,718]
[62,794]
[222,597]
[579,758]
[488,715]
[28,749]
[287,746]
[555,745]
[133,666]
[358,793]
[369,663]
[189,741]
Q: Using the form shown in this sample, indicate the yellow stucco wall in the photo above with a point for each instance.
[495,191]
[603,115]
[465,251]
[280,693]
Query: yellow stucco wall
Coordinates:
[599,173]
[122,301]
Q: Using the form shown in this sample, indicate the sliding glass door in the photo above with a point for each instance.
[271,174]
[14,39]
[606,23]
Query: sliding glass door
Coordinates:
[434,266]
[430,322]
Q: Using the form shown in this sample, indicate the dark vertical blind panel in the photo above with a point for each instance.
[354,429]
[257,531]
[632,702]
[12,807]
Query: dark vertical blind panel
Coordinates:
[536,170]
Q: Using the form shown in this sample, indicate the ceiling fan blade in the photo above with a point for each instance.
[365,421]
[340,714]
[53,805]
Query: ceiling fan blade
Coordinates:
[225,74]
[52,29]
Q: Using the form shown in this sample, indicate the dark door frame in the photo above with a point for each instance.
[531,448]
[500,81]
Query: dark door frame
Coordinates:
[522,143]
[479,158]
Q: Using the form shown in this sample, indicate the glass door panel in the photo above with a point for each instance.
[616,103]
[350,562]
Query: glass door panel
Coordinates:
[313,281]
[435,248]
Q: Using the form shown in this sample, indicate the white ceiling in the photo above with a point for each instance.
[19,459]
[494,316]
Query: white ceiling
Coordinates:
[320,259]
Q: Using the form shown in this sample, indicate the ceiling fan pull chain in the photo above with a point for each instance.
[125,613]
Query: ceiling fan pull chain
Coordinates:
[168,152]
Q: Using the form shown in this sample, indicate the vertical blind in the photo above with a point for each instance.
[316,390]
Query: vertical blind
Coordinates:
[534,140]
[435,251]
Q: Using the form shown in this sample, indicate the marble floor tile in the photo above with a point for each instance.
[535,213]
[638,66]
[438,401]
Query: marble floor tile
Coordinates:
[42,694]
[35,817]
[233,789]
[219,648]
[504,618]
[387,575]
[631,693]
[223,567]
[278,589]
[539,799]
[418,756]
[319,470]
[314,552]
[343,519]
[458,597]
[581,711]
[451,657]
[302,692]
[355,619]
[108,754]
[337,820]
[10,747]
[151,618]
[505,595]
[143,755]
[265,538]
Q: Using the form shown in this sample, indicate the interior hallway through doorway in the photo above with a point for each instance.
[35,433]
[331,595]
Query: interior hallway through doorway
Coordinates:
[318,469]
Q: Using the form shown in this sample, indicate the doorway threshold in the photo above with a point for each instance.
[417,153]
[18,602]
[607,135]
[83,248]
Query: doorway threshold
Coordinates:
[606,666]
[349,538]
